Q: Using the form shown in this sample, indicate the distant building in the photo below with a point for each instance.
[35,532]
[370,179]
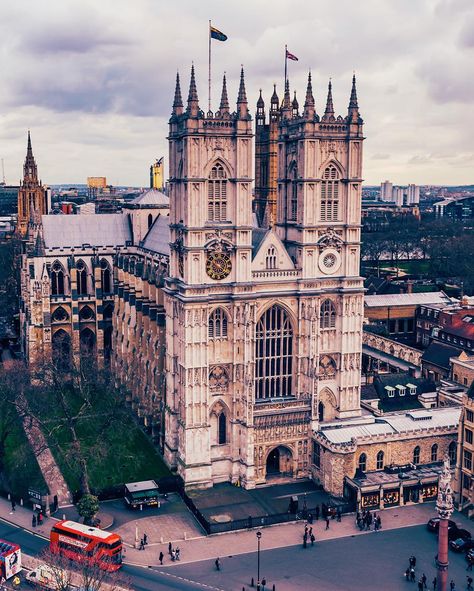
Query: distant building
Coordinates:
[8,200]
[398,195]
[465,467]
[96,185]
[413,194]
[386,190]
[451,324]
[156,175]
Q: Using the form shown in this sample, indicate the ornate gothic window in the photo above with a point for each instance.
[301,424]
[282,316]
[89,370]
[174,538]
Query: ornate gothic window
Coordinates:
[81,278]
[57,279]
[380,460]
[434,452]
[416,455]
[330,195]
[328,315]
[86,313]
[61,343]
[271,258]
[150,220]
[222,429]
[363,463]
[293,195]
[105,276]
[452,453]
[217,327]
[273,355]
[59,315]
[327,367]
[321,412]
[217,194]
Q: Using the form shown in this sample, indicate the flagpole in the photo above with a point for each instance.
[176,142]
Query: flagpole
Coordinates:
[209,79]
[286,61]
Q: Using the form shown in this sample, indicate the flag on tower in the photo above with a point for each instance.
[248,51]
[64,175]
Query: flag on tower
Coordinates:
[216,34]
[291,56]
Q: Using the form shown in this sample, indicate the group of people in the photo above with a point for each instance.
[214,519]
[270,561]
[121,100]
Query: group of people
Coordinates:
[422,581]
[308,535]
[365,519]
[173,552]
[37,519]
[143,542]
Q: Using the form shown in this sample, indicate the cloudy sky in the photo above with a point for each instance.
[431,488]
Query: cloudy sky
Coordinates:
[94,80]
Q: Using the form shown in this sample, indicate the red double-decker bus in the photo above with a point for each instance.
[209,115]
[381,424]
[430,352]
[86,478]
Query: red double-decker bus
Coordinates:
[83,542]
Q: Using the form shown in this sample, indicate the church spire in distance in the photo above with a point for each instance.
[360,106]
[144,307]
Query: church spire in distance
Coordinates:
[353,103]
[193,102]
[224,106]
[329,112]
[242,106]
[30,171]
[178,100]
[309,101]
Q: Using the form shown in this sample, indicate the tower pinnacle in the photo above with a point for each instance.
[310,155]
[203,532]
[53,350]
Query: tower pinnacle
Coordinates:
[329,112]
[178,100]
[286,107]
[224,106]
[353,103]
[193,102]
[309,101]
[242,107]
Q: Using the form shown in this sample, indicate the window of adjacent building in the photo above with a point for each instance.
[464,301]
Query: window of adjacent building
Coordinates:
[465,381]
[390,391]
[468,435]
[273,355]
[469,416]
[217,194]
[466,481]
[57,279]
[452,453]
[328,314]
[363,463]
[217,326]
[271,258]
[434,452]
[416,455]
[380,460]
[316,454]
[456,377]
[467,459]
[105,276]
[222,428]
[330,195]
[81,278]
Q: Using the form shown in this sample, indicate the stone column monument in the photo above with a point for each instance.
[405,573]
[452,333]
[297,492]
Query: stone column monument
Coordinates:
[444,506]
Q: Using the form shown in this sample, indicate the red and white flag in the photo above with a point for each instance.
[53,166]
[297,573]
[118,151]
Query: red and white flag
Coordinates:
[290,56]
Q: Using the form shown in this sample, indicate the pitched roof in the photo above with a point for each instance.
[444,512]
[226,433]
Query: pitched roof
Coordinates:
[67,231]
[151,197]
[402,379]
[258,234]
[439,354]
[406,299]
[158,236]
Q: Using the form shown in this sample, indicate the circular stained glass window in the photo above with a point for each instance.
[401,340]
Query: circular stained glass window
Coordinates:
[329,260]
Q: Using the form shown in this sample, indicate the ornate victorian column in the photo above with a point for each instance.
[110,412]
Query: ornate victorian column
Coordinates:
[444,506]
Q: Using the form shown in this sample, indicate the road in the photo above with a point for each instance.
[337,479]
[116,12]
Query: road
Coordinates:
[369,562]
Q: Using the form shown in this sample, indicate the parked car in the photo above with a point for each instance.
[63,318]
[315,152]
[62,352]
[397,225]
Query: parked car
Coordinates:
[455,534]
[461,545]
[433,524]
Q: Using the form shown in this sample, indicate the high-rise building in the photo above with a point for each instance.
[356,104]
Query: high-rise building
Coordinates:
[156,175]
[413,194]
[397,196]
[32,196]
[386,189]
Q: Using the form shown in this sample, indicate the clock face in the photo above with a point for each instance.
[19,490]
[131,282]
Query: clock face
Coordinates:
[218,265]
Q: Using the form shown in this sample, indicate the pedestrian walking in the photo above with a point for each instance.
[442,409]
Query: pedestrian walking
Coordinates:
[469,564]
[305,530]
[452,586]
[40,518]
[423,580]
[145,539]
[310,518]
[469,583]
[316,512]
[412,574]
[13,504]
[327,522]
[160,558]
[310,533]
[142,545]
[435,582]
[173,555]
[420,585]
[170,548]
[407,574]
[33,520]
[312,538]
[217,562]
[379,522]
[177,552]
[339,515]
[305,540]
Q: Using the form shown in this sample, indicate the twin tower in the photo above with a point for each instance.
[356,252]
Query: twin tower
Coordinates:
[263,323]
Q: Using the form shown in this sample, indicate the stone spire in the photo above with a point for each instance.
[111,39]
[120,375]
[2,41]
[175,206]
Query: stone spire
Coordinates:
[286,107]
[178,100]
[274,101]
[353,104]
[30,171]
[193,102]
[309,101]
[260,101]
[260,110]
[242,106]
[295,106]
[329,112]
[224,106]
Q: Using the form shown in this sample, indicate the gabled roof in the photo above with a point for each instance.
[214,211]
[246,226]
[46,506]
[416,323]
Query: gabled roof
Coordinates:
[158,236]
[68,231]
[151,197]
[406,299]
[258,234]
[402,379]
[439,354]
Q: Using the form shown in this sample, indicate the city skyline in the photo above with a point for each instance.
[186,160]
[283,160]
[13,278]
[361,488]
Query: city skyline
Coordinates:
[95,85]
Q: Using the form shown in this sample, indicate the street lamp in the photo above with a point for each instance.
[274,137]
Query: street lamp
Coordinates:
[259,535]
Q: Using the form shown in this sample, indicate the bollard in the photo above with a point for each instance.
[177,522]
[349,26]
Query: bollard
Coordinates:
[64,516]
[273,586]
[21,502]
[185,536]
[252,583]
[161,540]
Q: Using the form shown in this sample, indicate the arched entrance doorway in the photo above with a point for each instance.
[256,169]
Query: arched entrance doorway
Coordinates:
[279,462]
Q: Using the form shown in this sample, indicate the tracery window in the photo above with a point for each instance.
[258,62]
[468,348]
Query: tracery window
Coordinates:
[222,429]
[330,195]
[105,276]
[416,455]
[59,315]
[57,279]
[273,355]
[328,315]
[452,453]
[380,460]
[217,194]
[434,452]
[217,326]
[81,278]
[271,258]
[293,195]
[86,313]
[363,463]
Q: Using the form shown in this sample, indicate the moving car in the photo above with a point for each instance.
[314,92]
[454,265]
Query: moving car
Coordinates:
[461,545]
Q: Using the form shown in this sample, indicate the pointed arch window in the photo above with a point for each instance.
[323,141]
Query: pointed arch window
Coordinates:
[416,455]
[434,452]
[363,463]
[330,195]
[328,314]
[222,428]
[217,194]
[105,276]
[150,220]
[452,453]
[57,279]
[81,278]
[293,194]
[273,355]
[321,412]
[380,460]
[217,325]
[271,258]
[59,315]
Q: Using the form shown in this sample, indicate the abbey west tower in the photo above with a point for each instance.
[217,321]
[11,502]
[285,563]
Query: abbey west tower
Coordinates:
[263,326]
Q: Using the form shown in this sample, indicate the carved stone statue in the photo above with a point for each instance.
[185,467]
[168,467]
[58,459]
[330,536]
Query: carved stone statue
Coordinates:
[444,502]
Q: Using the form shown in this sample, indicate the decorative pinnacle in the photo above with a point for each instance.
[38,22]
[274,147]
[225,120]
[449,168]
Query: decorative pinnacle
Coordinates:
[224,106]
[329,105]
[286,97]
[260,102]
[178,100]
[274,100]
[295,104]
[309,102]
[192,96]
[242,96]
[353,104]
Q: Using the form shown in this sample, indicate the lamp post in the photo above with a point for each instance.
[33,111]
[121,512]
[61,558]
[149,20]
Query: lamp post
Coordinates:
[444,507]
[259,535]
